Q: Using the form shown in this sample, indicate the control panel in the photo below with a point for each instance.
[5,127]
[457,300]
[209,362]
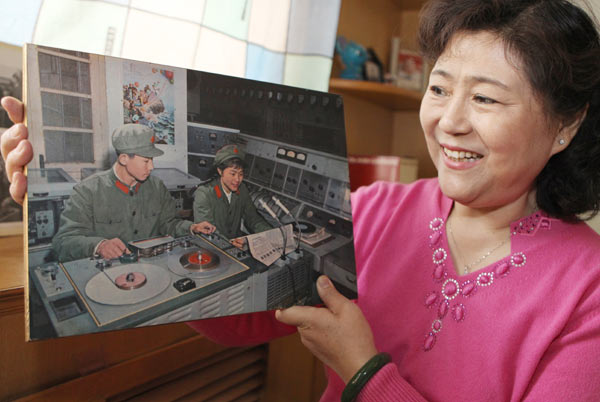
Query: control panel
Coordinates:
[204,139]
[44,219]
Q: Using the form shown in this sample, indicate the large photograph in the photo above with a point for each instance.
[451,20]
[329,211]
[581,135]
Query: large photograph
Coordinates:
[159,194]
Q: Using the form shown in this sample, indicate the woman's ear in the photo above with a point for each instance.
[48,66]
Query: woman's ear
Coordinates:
[567,131]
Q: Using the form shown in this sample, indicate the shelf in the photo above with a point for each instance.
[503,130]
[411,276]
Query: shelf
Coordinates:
[388,96]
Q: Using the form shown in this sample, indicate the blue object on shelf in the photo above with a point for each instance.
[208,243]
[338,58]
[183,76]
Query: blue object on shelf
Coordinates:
[353,56]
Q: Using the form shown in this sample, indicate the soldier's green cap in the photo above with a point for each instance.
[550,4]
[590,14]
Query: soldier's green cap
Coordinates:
[228,152]
[135,139]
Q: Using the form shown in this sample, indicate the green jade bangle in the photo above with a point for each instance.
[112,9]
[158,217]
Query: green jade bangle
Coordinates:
[362,376]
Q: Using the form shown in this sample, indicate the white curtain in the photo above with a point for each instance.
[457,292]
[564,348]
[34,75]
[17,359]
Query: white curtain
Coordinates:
[287,42]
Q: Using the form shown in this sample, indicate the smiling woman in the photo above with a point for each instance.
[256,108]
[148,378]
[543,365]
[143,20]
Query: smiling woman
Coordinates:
[480,284]
[548,50]
[479,102]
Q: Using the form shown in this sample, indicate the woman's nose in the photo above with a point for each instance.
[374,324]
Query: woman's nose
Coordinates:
[454,119]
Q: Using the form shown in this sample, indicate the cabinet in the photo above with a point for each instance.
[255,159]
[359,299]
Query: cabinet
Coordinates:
[381,119]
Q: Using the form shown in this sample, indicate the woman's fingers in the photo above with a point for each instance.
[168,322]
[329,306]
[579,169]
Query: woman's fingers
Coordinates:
[14,108]
[16,159]
[18,187]
[11,139]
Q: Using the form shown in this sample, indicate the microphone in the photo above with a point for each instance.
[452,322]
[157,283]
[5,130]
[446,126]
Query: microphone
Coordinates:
[287,212]
[280,205]
[268,209]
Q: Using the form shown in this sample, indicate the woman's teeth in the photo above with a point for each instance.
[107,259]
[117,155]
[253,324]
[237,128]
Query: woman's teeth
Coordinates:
[462,156]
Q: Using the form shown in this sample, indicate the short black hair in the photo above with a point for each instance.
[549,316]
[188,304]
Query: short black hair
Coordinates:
[559,48]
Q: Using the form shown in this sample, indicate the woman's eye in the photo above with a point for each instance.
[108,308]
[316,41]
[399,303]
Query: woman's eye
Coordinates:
[437,90]
[484,99]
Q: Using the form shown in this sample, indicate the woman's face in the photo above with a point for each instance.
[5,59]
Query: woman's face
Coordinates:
[485,129]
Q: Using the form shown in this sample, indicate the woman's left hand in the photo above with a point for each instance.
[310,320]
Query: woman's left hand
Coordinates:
[338,335]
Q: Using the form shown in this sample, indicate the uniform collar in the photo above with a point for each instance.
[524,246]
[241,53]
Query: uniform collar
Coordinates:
[133,189]
[219,191]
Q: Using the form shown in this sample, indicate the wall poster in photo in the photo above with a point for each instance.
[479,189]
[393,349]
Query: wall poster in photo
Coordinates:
[148,99]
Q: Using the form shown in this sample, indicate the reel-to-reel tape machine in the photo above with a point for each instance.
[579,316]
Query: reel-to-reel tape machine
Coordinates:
[91,295]
[164,280]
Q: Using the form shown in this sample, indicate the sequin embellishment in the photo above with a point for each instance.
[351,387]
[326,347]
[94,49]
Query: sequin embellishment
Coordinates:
[518,260]
[439,256]
[436,224]
[451,288]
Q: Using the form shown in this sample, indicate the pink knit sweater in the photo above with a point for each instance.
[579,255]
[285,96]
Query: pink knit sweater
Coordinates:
[525,327]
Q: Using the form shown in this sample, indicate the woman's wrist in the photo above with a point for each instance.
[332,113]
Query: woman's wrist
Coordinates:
[363,375]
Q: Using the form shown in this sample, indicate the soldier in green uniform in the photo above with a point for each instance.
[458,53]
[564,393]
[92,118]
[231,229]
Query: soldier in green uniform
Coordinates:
[225,201]
[111,208]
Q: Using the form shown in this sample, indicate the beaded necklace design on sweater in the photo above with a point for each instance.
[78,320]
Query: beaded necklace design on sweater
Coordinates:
[452,292]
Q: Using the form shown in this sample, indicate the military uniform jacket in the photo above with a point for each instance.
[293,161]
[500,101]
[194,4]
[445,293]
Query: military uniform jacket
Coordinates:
[210,204]
[102,207]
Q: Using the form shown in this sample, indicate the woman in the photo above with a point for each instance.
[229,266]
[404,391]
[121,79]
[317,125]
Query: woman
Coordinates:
[481,284]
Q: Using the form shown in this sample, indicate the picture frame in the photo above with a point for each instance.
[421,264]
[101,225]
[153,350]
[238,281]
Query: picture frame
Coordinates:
[407,67]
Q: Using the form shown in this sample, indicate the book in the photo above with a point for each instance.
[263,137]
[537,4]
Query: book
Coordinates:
[367,169]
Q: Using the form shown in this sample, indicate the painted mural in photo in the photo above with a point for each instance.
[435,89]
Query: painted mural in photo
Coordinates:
[148,99]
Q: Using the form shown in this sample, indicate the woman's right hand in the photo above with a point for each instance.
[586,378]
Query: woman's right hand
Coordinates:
[16,148]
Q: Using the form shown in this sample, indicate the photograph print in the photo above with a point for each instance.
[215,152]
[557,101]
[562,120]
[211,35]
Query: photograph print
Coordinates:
[159,194]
